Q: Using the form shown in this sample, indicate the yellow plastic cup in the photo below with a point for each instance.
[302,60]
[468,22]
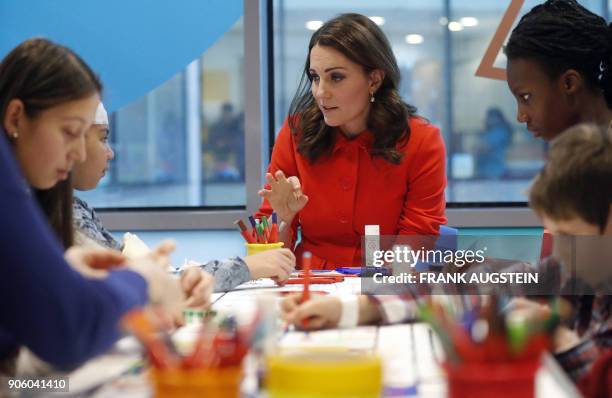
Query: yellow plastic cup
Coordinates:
[324,372]
[254,248]
[197,383]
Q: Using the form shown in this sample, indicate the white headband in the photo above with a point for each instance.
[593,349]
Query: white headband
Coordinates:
[101,115]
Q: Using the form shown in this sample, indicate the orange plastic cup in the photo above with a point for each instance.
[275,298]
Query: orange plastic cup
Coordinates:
[196,383]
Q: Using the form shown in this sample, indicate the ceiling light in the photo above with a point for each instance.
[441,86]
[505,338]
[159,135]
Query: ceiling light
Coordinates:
[414,39]
[455,26]
[378,20]
[469,21]
[314,25]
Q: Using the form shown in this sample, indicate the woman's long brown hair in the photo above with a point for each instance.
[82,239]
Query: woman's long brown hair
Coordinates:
[43,74]
[361,41]
[56,203]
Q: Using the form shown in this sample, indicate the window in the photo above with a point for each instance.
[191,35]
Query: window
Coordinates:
[182,144]
[438,46]
[492,157]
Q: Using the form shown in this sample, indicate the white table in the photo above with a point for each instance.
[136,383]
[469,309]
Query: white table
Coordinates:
[411,354]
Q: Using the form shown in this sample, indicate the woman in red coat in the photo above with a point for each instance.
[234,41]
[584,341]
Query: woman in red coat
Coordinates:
[352,153]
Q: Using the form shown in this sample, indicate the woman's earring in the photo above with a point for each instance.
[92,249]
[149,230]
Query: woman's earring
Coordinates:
[15,134]
[372,99]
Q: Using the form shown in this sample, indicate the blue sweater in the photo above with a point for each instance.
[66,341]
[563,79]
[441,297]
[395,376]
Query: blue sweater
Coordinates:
[45,305]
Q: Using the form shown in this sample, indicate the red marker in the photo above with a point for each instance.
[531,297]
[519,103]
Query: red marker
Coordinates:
[316,277]
[139,325]
[244,231]
[314,281]
[306,280]
[274,229]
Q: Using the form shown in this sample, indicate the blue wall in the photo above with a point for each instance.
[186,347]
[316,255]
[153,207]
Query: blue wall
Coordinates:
[133,45]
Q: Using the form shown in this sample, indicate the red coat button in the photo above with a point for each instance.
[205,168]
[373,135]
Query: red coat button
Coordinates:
[346,183]
[343,218]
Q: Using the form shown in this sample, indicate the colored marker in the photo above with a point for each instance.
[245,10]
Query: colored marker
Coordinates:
[306,257]
[266,229]
[274,230]
[314,281]
[254,227]
[244,231]
[138,324]
[260,237]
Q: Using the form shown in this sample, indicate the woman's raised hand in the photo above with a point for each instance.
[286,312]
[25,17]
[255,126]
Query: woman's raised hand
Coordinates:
[285,195]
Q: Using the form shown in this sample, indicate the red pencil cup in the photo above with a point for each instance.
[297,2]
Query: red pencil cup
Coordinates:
[492,379]
[196,383]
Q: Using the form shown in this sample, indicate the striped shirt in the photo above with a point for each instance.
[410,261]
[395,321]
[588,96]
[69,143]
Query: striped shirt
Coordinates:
[228,273]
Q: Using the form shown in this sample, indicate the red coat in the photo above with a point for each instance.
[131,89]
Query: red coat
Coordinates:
[598,382]
[350,189]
